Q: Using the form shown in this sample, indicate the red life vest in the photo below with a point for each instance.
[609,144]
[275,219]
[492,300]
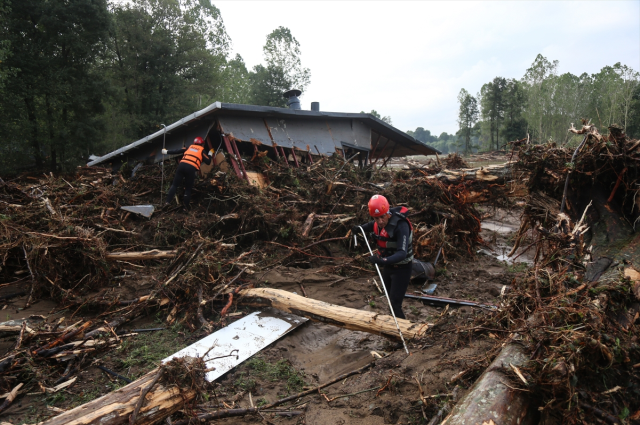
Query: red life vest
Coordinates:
[193,156]
[386,239]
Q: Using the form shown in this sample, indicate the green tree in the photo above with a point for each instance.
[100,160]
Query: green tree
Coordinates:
[268,84]
[5,46]
[282,51]
[53,98]
[165,59]
[376,114]
[237,82]
[539,83]
[467,117]
[544,104]
[492,107]
[514,101]
[281,72]
[422,135]
[613,89]
[633,123]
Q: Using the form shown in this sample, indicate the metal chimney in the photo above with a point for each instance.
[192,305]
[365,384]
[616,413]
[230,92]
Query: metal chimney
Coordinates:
[315,106]
[292,99]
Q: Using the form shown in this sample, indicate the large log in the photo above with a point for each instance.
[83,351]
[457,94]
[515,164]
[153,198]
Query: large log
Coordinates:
[491,399]
[344,317]
[485,177]
[116,407]
[140,255]
[497,173]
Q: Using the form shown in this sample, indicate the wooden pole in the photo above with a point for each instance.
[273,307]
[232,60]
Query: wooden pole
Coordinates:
[320,311]
[140,255]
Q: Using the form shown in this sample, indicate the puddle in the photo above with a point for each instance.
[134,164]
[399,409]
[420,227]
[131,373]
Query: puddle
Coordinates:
[510,260]
[500,227]
[504,224]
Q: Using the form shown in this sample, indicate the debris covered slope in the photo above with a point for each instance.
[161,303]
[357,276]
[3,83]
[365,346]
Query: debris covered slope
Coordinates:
[67,239]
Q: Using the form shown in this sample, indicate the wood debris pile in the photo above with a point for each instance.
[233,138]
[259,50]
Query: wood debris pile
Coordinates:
[67,238]
[454,162]
[576,310]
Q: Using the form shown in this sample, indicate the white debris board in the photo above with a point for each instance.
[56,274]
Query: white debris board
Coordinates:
[248,336]
[143,210]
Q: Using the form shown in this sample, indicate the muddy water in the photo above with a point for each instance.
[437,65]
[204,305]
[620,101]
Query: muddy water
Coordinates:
[499,230]
[324,352]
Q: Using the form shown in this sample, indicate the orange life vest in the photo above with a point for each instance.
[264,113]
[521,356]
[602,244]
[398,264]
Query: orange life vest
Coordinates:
[193,156]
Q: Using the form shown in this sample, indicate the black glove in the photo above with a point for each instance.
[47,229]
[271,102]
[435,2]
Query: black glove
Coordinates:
[355,230]
[374,259]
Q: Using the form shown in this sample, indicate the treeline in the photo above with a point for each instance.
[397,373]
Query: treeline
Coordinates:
[543,104]
[445,143]
[82,77]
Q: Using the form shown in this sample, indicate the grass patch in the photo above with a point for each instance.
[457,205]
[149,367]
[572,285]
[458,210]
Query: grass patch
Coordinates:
[282,371]
[517,267]
[145,351]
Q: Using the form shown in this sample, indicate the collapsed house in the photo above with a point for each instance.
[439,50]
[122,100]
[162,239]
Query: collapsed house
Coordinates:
[257,131]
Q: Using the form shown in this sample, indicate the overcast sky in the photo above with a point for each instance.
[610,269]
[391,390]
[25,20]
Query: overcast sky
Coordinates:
[409,60]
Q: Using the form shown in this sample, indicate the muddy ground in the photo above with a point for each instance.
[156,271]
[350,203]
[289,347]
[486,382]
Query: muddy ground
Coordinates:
[444,364]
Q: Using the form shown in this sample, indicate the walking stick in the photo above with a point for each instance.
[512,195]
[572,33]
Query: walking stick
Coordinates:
[164,138]
[385,289]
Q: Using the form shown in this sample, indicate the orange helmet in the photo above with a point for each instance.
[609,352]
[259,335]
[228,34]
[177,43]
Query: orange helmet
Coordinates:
[198,141]
[378,206]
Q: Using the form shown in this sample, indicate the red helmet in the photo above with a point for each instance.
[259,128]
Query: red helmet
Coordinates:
[198,141]
[378,206]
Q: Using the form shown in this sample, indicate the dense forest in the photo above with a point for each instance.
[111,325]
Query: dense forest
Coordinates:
[542,104]
[79,77]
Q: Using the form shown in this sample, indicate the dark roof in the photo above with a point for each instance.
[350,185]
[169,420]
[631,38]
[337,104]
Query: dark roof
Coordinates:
[239,110]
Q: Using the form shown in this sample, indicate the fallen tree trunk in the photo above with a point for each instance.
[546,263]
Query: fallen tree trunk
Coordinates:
[483,178]
[141,255]
[116,407]
[320,311]
[498,173]
[490,399]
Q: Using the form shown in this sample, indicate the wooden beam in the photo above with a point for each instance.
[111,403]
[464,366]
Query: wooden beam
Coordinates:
[344,317]
[232,156]
[116,407]
[375,146]
[237,151]
[381,152]
[390,155]
[140,255]
[295,158]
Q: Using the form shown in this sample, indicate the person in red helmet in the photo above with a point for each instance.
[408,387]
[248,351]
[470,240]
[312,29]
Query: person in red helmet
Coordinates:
[192,158]
[393,234]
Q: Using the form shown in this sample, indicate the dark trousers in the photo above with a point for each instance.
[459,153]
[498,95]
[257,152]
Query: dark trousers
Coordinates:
[187,173]
[396,280]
